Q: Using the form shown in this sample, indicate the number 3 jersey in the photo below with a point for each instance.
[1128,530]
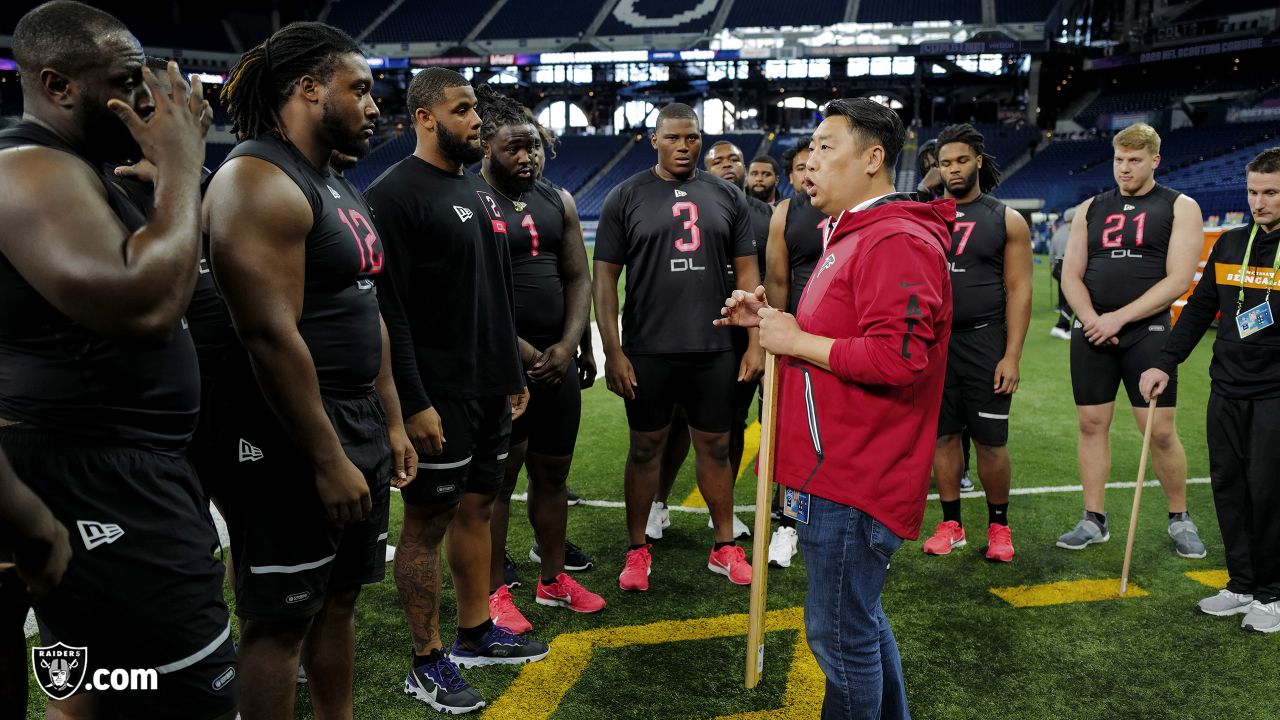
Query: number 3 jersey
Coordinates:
[1128,243]
[977,263]
[339,322]
[674,237]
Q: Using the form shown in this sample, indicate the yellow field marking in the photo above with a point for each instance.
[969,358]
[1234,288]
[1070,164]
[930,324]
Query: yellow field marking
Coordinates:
[750,448]
[1215,579]
[540,687]
[1063,593]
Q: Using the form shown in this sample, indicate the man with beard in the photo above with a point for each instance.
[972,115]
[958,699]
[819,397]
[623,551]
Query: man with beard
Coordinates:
[762,179]
[990,260]
[796,232]
[307,410]
[99,389]
[458,367]
[552,306]
[1131,252]
[675,229]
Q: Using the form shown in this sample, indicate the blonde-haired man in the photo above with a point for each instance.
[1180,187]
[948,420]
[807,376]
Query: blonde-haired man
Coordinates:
[1133,255]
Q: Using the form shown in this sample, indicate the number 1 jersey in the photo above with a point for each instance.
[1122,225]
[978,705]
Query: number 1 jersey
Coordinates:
[1128,244]
[674,237]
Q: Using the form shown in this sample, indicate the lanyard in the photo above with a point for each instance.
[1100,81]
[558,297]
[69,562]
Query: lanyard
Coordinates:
[1244,268]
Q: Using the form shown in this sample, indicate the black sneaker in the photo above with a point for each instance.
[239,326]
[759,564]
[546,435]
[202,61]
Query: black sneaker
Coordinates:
[439,685]
[575,559]
[509,574]
[498,647]
[573,498]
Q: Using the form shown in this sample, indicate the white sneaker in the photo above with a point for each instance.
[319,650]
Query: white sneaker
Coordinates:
[659,520]
[1060,333]
[1262,617]
[783,546]
[1225,603]
[740,529]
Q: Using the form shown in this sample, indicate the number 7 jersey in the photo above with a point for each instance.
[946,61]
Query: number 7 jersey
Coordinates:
[674,238]
[1128,244]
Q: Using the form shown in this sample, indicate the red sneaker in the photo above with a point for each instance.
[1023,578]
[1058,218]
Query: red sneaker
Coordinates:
[946,536]
[999,543]
[503,611]
[730,561]
[566,592]
[635,574]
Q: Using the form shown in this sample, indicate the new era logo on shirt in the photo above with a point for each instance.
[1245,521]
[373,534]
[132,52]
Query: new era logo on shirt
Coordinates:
[463,213]
[98,533]
[959,214]
[249,453]
[333,192]
[681,193]
[1127,208]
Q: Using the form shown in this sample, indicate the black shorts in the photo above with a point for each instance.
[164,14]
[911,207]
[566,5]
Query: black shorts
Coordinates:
[285,550]
[550,421]
[1096,372]
[144,585]
[477,435]
[968,401]
[702,383]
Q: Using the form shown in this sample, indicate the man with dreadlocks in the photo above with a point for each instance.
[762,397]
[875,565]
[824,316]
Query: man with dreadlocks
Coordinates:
[552,308]
[990,260]
[308,415]
[460,372]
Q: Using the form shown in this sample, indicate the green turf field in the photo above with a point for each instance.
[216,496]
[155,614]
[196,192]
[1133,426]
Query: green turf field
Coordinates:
[966,652]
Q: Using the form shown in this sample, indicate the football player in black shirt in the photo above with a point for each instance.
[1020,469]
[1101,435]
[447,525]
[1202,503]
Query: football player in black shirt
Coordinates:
[100,390]
[990,259]
[1131,252]
[451,314]
[552,308]
[307,407]
[674,229]
[762,179]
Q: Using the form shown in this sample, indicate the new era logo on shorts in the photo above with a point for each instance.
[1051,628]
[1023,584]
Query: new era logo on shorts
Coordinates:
[249,453]
[98,533]
[464,214]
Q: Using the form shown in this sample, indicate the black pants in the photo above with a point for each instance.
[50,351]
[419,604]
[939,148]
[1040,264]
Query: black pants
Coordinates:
[1244,454]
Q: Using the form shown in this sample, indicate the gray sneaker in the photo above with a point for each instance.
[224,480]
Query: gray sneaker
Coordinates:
[1262,617]
[1225,603]
[1186,541]
[1086,532]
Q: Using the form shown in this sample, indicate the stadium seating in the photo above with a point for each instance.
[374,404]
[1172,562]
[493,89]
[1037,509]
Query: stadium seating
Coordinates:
[1062,174]
[355,16]
[428,21]
[770,13]
[215,153]
[549,19]
[676,10]
[1221,8]
[1023,11]
[905,12]
[1004,142]
[578,157]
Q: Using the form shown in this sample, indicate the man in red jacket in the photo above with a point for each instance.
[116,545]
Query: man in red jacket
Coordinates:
[861,375]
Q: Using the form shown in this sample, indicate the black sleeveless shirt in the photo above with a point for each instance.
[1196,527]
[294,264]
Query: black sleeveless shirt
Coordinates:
[340,319]
[58,375]
[977,264]
[535,236]
[1128,244]
[803,232]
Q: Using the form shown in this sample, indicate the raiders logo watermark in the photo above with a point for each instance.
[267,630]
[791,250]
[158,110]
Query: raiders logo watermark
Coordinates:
[59,669]
[62,670]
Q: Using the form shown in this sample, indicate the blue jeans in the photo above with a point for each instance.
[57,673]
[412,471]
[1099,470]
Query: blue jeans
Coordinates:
[846,555]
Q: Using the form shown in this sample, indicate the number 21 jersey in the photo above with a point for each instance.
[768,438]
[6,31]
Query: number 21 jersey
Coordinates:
[1128,244]
[674,237]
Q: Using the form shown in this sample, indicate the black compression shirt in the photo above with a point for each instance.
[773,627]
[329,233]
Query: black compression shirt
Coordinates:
[58,375]
[761,214]
[1128,244]
[449,304]
[674,237]
[803,232]
[977,263]
[535,236]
